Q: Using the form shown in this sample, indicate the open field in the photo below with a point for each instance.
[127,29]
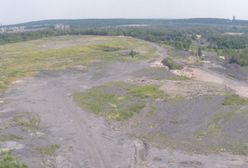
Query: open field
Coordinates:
[86,101]
[25,59]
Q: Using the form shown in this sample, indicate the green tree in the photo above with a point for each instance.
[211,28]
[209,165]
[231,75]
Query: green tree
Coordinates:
[199,52]
[132,53]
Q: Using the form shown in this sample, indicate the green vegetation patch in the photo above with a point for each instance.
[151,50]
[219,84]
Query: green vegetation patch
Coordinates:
[163,140]
[7,161]
[215,126]
[147,91]
[215,132]
[28,121]
[107,48]
[171,64]
[233,99]
[27,58]
[245,69]
[177,98]
[10,137]
[237,56]
[49,150]
[118,101]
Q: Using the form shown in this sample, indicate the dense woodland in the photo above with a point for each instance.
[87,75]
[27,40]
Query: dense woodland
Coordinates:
[229,37]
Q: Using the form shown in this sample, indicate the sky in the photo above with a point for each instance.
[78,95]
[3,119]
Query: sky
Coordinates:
[18,11]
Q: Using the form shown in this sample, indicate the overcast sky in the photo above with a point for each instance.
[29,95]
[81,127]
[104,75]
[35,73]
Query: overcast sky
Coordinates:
[16,11]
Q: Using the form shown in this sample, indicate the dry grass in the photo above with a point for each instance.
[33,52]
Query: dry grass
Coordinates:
[27,58]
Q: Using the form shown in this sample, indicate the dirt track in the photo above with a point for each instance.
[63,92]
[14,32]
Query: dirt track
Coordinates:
[88,141]
[206,75]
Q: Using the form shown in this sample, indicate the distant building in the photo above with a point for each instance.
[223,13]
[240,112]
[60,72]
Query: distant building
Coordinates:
[234,18]
[15,29]
[61,27]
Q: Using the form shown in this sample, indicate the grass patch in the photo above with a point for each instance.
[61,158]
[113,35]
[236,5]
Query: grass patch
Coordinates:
[124,113]
[117,101]
[28,121]
[214,131]
[152,111]
[240,148]
[10,137]
[233,99]
[214,127]
[27,58]
[147,91]
[106,48]
[49,150]
[165,141]
[200,134]
[245,69]
[8,161]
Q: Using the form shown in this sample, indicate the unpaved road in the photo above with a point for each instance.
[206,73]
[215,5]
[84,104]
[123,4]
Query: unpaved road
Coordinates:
[86,140]
[240,87]
[206,75]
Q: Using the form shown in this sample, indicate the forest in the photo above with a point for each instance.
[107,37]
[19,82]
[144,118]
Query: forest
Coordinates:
[229,37]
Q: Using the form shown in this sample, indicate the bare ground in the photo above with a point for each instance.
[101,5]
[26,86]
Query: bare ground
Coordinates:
[88,141]
[206,75]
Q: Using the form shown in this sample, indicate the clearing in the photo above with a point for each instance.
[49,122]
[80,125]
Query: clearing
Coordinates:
[86,101]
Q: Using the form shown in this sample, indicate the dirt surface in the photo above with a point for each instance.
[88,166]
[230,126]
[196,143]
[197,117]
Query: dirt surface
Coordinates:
[85,140]
[206,75]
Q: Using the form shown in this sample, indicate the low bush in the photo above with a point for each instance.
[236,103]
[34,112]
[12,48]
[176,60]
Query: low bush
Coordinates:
[171,64]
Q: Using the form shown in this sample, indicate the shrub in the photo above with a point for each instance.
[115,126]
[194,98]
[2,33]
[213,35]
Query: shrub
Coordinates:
[172,65]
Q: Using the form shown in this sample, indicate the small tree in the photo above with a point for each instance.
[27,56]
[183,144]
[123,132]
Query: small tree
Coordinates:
[132,53]
[199,52]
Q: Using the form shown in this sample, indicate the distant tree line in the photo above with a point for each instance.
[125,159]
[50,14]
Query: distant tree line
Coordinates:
[180,37]
[18,37]
[176,38]
[228,42]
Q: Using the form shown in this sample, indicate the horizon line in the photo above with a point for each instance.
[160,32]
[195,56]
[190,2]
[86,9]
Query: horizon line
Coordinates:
[120,18]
